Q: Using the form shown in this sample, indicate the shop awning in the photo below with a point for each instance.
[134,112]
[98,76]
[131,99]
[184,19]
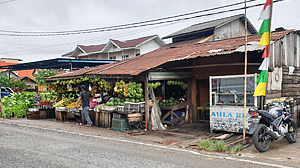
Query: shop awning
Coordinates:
[57,63]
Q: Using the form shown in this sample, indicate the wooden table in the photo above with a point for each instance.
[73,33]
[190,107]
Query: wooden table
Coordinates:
[171,109]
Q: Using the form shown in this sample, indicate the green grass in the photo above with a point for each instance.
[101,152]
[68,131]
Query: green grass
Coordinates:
[218,146]
[236,148]
[205,144]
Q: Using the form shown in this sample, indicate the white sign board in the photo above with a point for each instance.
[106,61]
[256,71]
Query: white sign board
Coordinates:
[228,118]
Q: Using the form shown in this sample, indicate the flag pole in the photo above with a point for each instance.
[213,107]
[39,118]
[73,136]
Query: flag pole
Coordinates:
[245,76]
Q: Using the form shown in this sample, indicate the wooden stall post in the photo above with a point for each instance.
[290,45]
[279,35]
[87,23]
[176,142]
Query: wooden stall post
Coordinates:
[194,100]
[146,103]
[1,106]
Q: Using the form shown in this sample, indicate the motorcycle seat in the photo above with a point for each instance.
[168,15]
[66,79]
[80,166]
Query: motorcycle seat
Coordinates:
[267,113]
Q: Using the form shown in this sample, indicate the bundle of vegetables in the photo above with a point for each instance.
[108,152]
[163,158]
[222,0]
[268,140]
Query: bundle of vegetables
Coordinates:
[62,89]
[134,90]
[51,96]
[106,85]
[135,100]
[154,85]
[115,102]
[64,102]
[120,87]
[17,104]
[183,85]
[73,105]
[44,103]
[166,102]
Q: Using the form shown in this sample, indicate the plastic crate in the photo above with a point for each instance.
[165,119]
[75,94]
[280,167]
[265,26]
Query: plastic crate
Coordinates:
[142,107]
[131,107]
[109,108]
[120,108]
[119,124]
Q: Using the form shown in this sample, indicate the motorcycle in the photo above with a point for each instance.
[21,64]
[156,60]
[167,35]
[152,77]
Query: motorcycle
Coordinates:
[274,124]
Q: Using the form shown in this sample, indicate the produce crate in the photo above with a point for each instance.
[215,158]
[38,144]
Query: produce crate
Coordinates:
[33,109]
[142,107]
[119,124]
[120,108]
[109,108]
[131,107]
[61,109]
[46,107]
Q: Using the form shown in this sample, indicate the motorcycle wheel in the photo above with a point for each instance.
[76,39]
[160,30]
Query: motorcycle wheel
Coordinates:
[261,140]
[291,136]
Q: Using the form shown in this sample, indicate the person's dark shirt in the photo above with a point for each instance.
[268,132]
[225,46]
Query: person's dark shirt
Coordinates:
[85,98]
[37,99]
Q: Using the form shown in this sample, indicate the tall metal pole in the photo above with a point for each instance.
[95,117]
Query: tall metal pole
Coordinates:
[245,82]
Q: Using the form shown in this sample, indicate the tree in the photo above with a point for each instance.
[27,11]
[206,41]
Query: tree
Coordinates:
[39,78]
[6,82]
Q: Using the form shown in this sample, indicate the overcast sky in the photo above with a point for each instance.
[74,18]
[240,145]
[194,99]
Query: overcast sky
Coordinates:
[61,15]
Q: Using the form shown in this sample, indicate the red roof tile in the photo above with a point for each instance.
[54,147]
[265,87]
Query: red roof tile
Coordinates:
[93,48]
[132,43]
[22,73]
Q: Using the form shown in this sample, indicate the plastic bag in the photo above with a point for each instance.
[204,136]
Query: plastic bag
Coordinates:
[155,114]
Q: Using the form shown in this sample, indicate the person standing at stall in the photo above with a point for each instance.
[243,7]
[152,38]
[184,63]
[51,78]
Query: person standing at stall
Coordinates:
[37,98]
[85,96]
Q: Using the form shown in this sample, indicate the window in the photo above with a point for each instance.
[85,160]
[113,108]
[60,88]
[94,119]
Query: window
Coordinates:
[137,54]
[112,58]
[124,57]
[229,90]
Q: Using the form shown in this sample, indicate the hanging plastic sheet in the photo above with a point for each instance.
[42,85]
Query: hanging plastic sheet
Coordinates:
[155,114]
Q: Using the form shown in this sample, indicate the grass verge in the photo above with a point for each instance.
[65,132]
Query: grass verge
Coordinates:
[217,146]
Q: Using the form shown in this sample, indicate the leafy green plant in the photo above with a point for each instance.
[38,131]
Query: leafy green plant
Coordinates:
[205,144]
[236,148]
[17,104]
[51,95]
[39,78]
[6,82]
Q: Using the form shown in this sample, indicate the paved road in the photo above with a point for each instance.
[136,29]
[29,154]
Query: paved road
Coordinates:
[35,147]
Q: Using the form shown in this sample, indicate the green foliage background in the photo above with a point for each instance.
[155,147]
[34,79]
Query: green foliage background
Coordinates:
[39,78]
[17,104]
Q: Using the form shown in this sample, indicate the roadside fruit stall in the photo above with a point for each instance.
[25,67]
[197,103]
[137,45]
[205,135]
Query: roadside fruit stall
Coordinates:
[110,106]
[171,100]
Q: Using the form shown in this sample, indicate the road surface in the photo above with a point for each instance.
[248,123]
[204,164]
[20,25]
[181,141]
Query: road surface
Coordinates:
[38,147]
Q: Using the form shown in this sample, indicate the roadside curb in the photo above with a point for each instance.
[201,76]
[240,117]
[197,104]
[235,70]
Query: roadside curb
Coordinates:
[199,153]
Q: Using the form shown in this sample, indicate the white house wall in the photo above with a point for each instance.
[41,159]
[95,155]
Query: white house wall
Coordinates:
[148,47]
[230,30]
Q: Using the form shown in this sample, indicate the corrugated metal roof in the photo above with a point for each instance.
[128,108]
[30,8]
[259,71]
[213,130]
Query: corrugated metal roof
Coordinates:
[139,64]
[210,24]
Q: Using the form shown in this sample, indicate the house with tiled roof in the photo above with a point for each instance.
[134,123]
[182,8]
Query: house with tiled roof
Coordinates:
[12,61]
[116,49]
[220,29]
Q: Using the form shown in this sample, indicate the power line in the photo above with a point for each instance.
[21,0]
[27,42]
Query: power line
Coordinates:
[6,1]
[88,40]
[153,20]
[128,26]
